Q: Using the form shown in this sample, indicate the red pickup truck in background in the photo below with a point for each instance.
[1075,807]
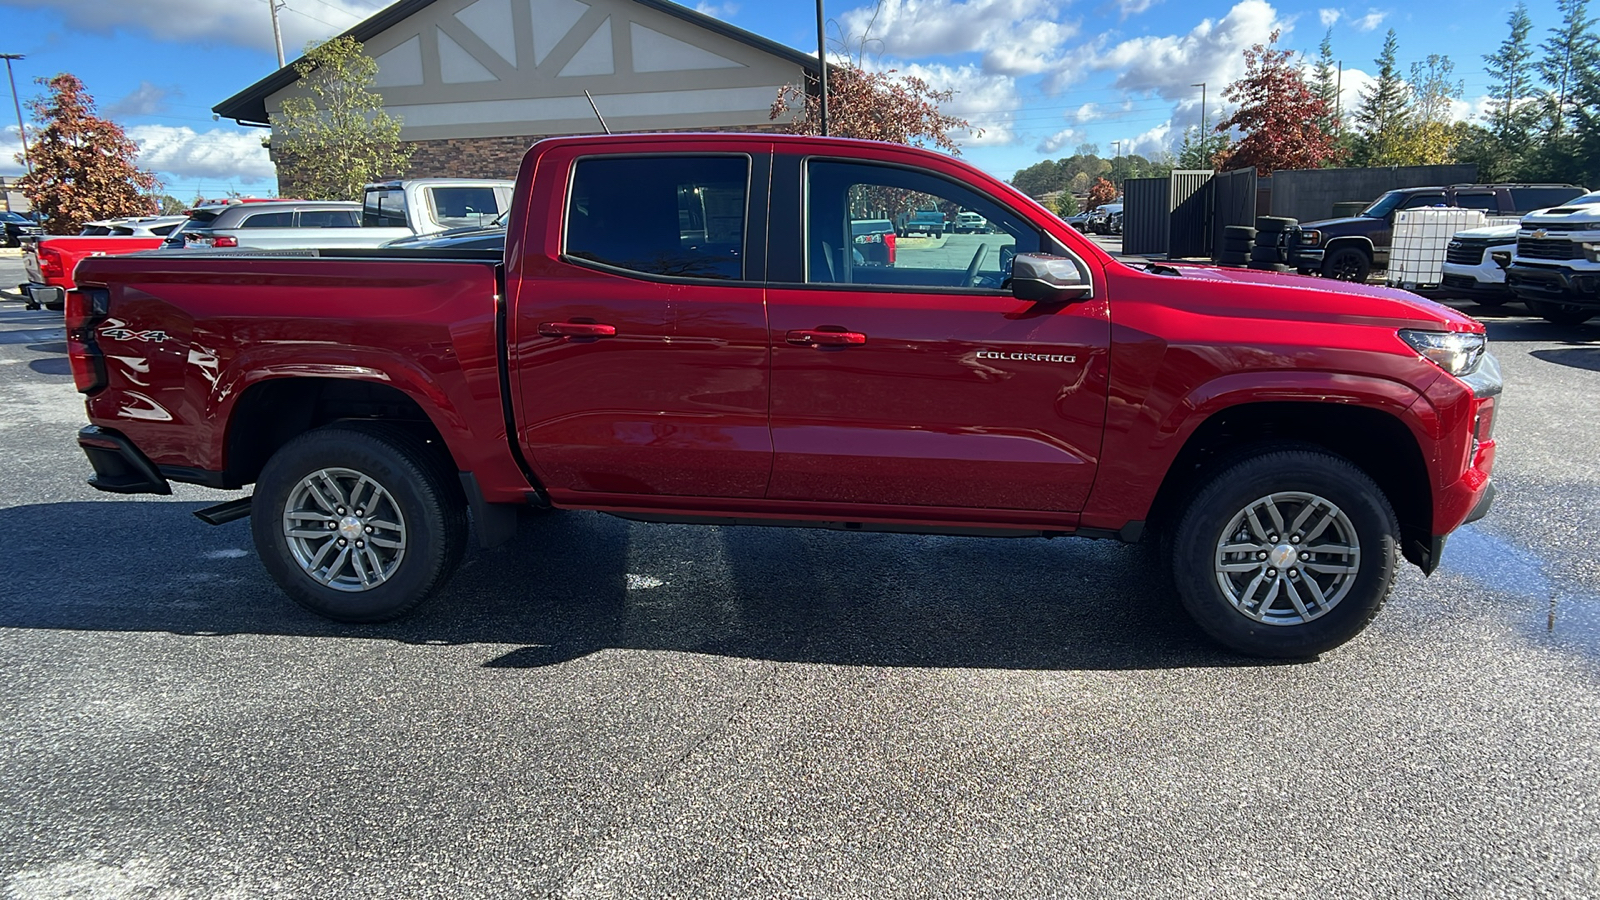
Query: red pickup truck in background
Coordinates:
[49,261]
[679,331]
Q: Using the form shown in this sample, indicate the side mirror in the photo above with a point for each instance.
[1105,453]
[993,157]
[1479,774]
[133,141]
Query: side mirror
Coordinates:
[1045,278]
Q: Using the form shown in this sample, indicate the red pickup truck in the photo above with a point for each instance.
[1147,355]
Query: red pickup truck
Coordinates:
[680,330]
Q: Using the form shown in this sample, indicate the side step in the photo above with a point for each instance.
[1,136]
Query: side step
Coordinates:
[223,513]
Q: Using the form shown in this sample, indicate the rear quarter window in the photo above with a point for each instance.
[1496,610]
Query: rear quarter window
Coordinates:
[1532,198]
[329,218]
[384,209]
[268,220]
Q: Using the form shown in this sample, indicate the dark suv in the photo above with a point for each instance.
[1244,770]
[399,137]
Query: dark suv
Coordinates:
[1349,249]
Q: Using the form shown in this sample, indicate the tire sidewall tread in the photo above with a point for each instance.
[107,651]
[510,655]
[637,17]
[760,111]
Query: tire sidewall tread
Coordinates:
[1243,480]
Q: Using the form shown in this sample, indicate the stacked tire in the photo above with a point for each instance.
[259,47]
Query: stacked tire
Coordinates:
[1271,250]
[1237,242]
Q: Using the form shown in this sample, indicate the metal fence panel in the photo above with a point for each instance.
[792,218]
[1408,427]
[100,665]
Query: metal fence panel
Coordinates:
[1233,202]
[1190,199]
[1146,215]
[1309,194]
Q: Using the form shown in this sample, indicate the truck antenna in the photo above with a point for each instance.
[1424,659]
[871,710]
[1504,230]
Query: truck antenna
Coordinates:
[597,113]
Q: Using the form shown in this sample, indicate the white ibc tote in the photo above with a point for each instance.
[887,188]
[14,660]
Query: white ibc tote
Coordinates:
[1416,255]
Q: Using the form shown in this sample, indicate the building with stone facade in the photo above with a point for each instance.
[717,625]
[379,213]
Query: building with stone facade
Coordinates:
[474,82]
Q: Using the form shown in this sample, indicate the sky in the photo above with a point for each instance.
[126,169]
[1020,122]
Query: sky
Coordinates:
[1039,77]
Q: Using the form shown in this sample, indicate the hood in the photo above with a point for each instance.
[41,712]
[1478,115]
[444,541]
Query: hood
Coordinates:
[1507,233]
[1309,299]
[1335,224]
[1576,214]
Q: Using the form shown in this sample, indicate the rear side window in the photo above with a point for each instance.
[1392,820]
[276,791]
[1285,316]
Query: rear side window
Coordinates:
[269,220]
[459,206]
[676,215]
[164,230]
[1485,202]
[1532,198]
[384,209]
[329,218]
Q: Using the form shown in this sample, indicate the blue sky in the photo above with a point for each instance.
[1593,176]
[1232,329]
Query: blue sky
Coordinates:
[1039,76]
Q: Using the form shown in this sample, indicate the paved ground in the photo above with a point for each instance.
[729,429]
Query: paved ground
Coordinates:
[606,709]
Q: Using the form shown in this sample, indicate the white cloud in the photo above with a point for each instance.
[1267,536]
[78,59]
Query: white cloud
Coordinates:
[1154,142]
[1014,37]
[1351,84]
[1063,138]
[1088,113]
[148,100]
[1212,52]
[1474,110]
[237,22]
[1368,22]
[1135,7]
[1329,16]
[717,10]
[988,101]
[221,153]
[10,146]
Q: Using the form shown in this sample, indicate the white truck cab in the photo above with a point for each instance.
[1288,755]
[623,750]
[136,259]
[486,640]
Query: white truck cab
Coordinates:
[431,205]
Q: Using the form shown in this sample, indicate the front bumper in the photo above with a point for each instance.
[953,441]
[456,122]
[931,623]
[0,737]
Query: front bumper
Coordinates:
[1559,284]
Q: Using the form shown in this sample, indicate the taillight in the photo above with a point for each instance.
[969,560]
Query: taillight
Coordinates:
[888,241]
[50,263]
[86,309]
[223,240]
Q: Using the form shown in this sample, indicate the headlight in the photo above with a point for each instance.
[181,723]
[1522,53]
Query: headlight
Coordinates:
[1591,252]
[1455,352]
[1310,238]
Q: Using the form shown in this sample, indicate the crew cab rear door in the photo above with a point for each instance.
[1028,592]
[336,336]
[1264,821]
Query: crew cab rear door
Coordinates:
[923,382]
[638,348]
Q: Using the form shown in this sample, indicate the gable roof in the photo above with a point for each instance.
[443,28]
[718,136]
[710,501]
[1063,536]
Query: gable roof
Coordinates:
[249,106]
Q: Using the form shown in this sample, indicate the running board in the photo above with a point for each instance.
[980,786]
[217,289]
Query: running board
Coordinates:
[223,513]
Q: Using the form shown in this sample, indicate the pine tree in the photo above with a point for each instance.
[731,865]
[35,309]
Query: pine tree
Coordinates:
[1325,84]
[1385,109]
[1511,67]
[1569,59]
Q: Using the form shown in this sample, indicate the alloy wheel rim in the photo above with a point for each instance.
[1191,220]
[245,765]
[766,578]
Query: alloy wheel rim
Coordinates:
[1287,558]
[344,529]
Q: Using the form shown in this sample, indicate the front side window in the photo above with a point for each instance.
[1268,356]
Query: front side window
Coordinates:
[680,216]
[847,204]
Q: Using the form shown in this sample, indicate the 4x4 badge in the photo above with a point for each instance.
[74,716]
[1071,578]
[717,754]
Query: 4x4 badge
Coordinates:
[128,334]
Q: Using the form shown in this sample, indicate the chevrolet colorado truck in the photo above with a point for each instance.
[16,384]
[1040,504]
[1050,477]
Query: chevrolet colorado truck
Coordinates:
[1289,439]
[1556,267]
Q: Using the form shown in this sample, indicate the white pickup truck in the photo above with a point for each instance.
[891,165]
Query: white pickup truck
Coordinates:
[1556,268]
[432,205]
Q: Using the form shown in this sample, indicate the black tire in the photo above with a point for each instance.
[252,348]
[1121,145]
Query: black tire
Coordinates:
[1238,232]
[1275,223]
[1226,258]
[1561,313]
[417,483]
[1489,301]
[1286,477]
[1233,245]
[1347,264]
[1269,267]
[1266,254]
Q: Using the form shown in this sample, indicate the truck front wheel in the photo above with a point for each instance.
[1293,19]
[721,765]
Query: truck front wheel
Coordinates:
[358,522]
[1560,313]
[1286,553]
[1347,264]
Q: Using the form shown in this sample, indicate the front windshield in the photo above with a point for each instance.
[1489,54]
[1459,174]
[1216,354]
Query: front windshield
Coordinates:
[1588,199]
[1383,205]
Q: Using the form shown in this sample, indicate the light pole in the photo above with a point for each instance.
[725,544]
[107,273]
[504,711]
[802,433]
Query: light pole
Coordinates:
[1202,87]
[21,132]
[1116,149]
[822,66]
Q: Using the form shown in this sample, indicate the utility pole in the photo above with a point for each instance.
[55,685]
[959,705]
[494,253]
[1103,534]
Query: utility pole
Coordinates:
[1338,100]
[822,65]
[1202,87]
[277,33]
[21,132]
[1116,149]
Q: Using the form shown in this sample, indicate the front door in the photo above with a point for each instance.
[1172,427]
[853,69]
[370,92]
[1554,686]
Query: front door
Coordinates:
[640,353]
[923,382]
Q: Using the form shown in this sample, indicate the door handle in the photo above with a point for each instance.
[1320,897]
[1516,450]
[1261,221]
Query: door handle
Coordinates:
[825,336]
[577,329]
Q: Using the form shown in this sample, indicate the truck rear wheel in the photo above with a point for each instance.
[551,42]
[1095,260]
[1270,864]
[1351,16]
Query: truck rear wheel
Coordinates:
[1286,554]
[358,522]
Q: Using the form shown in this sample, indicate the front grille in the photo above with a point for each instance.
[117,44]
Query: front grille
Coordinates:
[1548,248]
[1566,226]
[1466,251]
[1459,282]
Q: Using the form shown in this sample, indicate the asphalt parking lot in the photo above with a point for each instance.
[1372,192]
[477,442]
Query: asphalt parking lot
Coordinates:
[614,709]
